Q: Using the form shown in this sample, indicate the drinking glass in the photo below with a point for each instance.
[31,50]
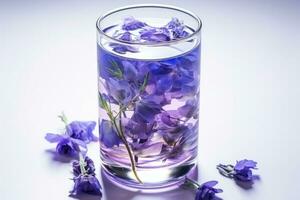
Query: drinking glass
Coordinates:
[148,97]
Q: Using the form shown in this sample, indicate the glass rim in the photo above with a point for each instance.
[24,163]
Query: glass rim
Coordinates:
[101,18]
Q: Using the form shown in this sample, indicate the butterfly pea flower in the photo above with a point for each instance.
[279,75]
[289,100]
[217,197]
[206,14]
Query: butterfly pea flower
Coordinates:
[177,28]
[155,35]
[190,108]
[108,135]
[85,180]
[145,112]
[122,49]
[82,130]
[205,191]
[126,36]
[120,90]
[86,184]
[75,138]
[66,145]
[131,24]
[242,171]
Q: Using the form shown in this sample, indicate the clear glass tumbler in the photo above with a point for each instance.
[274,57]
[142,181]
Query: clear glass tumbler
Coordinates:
[148,77]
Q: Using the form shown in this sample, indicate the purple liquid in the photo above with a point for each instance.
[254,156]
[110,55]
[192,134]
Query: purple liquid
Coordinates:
[159,102]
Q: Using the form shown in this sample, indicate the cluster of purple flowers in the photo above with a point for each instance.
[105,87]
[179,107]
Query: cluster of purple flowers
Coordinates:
[135,31]
[145,88]
[77,135]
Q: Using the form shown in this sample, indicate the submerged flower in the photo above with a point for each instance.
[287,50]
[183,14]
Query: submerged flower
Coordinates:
[108,134]
[206,191]
[145,112]
[88,166]
[190,109]
[120,90]
[242,171]
[122,49]
[82,130]
[66,145]
[86,184]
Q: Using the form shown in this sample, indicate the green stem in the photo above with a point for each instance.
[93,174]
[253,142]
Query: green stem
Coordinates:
[63,118]
[191,183]
[82,164]
[122,136]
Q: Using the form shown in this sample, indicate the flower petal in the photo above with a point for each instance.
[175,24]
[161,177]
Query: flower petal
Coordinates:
[108,134]
[53,138]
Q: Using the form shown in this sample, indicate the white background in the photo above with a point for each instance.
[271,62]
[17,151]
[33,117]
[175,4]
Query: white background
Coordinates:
[249,101]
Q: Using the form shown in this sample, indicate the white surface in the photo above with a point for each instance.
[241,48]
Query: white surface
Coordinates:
[249,101]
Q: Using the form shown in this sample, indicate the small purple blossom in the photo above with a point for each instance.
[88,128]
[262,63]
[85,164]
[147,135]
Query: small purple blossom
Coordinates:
[82,130]
[131,24]
[88,166]
[122,49]
[242,171]
[88,184]
[126,36]
[155,35]
[75,138]
[66,145]
[84,179]
[177,28]
[206,191]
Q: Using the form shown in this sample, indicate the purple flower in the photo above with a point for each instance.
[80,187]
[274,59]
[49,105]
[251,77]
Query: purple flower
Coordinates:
[131,24]
[177,28]
[85,180]
[120,90]
[86,184]
[122,49]
[66,145]
[206,191]
[155,34]
[130,71]
[138,130]
[190,109]
[82,130]
[126,36]
[242,171]
[108,134]
[88,166]
[145,112]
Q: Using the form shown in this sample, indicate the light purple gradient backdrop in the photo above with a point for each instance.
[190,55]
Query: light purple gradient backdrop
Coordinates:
[249,101]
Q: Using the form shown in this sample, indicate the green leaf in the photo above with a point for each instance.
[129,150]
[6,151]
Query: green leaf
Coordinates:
[142,88]
[102,102]
[115,70]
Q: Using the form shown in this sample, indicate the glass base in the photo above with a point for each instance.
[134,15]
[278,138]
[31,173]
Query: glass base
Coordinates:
[154,179]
